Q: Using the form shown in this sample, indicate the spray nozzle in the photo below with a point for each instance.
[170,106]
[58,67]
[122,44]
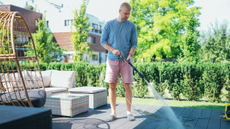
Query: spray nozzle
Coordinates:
[125,58]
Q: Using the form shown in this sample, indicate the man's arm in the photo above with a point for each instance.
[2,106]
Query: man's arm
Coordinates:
[104,39]
[113,50]
[131,52]
[133,43]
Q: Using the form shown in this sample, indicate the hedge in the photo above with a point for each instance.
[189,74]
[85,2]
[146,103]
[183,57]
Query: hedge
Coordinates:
[192,80]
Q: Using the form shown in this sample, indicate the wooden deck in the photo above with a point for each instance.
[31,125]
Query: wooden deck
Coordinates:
[152,118]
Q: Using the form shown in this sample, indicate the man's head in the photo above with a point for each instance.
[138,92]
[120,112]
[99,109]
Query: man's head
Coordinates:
[124,11]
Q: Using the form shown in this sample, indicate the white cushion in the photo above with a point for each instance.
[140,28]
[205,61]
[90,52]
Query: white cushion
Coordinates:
[36,78]
[32,79]
[62,79]
[9,80]
[46,75]
[51,90]
[87,89]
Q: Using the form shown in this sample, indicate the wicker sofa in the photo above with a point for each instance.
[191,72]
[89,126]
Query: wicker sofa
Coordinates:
[63,82]
[58,81]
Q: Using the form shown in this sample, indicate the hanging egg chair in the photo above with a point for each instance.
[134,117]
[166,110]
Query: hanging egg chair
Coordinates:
[21,82]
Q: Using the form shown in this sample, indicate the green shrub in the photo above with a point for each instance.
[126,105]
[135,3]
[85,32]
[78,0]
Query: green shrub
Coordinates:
[192,86]
[214,78]
[192,80]
[175,81]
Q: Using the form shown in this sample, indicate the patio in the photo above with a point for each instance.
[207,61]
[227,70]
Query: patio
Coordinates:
[208,119]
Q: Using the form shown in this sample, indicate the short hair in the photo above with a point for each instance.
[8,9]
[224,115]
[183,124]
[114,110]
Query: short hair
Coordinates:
[126,5]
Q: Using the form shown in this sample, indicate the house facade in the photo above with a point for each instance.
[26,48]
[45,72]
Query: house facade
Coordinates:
[59,19]
[63,33]
[31,17]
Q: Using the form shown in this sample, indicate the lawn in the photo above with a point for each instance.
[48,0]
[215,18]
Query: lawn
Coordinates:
[174,103]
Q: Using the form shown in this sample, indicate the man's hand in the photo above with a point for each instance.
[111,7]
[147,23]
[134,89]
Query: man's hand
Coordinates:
[129,58]
[116,52]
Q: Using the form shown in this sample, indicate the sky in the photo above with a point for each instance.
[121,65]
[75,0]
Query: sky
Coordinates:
[106,10]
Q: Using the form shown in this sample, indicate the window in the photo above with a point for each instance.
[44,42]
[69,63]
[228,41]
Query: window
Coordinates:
[95,57]
[95,27]
[89,39]
[36,23]
[100,29]
[47,23]
[68,22]
[93,40]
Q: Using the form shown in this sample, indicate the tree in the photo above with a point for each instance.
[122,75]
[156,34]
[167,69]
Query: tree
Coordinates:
[166,28]
[31,8]
[216,43]
[47,50]
[79,36]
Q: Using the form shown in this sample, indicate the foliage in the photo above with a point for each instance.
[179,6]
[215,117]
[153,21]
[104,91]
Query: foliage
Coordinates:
[192,88]
[120,89]
[216,43]
[192,81]
[140,88]
[189,44]
[47,50]
[93,75]
[31,8]
[102,77]
[165,28]
[79,37]
[227,87]
[214,78]
[6,46]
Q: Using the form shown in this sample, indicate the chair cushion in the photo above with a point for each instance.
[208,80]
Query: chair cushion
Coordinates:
[87,89]
[37,98]
[13,80]
[62,79]
[33,80]
[51,90]
[46,75]
[36,78]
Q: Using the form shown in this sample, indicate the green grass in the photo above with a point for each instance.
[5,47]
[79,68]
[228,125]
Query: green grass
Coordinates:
[174,103]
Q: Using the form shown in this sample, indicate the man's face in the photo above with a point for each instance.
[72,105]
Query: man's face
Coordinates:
[124,13]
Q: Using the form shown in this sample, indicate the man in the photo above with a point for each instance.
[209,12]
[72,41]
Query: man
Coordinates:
[118,35]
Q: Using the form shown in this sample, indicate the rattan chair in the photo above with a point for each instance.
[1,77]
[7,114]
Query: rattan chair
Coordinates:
[21,82]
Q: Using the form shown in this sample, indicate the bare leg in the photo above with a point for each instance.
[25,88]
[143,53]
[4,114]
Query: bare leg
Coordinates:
[128,94]
[112,97]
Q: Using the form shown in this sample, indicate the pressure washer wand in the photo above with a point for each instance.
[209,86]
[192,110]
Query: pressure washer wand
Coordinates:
[125,58]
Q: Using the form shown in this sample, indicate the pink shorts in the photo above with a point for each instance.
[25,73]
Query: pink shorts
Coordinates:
[114,67]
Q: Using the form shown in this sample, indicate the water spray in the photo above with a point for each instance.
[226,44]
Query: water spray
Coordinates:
[168,110]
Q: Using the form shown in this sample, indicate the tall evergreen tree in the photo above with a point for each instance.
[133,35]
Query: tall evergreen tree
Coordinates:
[79,37]
[47,50]
[216,43]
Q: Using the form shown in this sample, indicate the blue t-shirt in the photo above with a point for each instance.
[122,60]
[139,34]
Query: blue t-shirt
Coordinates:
[120,35]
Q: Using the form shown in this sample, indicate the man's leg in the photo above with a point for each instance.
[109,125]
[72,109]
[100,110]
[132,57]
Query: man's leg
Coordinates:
[112,97]
[127,78]
[128,94]
[112,72]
